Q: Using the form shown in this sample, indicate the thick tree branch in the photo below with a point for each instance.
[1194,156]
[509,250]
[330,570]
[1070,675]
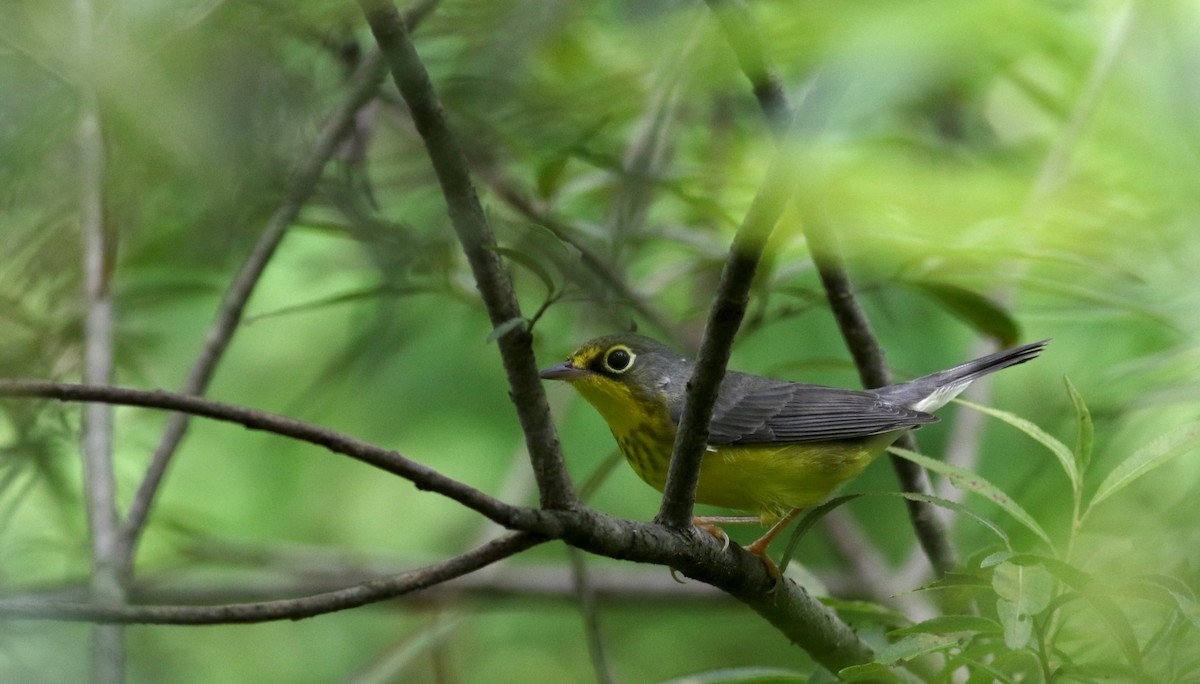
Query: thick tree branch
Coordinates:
[728,309]
[371,591]
[478,243]
[792,610]
[737,24]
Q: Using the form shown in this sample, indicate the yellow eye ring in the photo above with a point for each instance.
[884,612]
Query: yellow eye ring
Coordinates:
[619,359]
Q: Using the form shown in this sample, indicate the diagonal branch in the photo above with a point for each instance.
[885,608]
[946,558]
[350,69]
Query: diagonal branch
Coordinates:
[424,477]
[479,244]
[363,593]
[728,309]
[738,26]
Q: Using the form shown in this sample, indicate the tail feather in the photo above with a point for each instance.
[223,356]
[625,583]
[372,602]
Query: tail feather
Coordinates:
[934,391]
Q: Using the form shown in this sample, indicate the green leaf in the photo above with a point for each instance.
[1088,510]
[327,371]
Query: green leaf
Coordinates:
[549,175]
[1064,455]
[1022,591]
[743,675]
[955,580]
[868,672]
[1029,587]
[913,646]
[981,313]
[979,672]
[951,624]
[1018,628]
[865,611]
[1181,595]
[972,482]
[505,328]
[1149,457]
[813,515]
[529,263]
[1066,573]
[1085,430]
[996,559]
[1119,627]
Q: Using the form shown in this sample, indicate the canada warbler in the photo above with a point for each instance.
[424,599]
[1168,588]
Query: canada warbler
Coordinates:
[774,447]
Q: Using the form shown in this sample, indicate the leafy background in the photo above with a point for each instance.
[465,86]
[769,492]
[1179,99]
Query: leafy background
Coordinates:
[999,169]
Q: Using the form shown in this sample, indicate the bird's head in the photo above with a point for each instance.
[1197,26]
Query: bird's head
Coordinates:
[624,375]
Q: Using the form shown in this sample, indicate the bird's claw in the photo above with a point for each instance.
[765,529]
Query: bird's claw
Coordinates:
[714,531]
[675,576]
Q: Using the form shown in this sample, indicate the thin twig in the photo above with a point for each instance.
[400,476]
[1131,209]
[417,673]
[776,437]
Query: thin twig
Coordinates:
[107,659]
[520,202]
[728,309]
[371,591]
[737,24]
[478,243]
[585,596]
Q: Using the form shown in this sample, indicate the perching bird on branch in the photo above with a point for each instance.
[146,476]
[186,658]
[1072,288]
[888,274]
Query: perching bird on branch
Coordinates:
[774,447]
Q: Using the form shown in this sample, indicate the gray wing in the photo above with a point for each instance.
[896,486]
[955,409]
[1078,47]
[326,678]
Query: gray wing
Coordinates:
[754,410]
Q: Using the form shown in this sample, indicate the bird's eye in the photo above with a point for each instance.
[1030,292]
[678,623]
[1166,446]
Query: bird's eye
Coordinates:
[618,359]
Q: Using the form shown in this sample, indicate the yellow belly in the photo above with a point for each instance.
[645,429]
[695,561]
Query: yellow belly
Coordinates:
[767,480]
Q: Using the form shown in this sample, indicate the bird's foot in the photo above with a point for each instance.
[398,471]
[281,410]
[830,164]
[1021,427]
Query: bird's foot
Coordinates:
[759,546]
[703,525]
[708,523]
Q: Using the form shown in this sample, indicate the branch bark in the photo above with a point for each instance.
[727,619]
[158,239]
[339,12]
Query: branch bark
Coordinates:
[424,477]
[725,316]
[738,26]
[479,244]
[371,591]
[107,658]
[789,607]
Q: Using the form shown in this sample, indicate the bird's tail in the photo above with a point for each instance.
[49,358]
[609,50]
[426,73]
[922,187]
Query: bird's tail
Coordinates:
[931,392]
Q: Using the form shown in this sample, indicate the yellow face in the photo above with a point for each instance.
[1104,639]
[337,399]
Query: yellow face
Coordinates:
[606,387]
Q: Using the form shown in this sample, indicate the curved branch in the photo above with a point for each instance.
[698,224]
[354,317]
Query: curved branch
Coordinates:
[363,593]
[424,477]
[478,243]
[790,608]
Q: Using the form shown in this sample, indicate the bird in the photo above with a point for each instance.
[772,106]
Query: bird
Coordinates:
[774,447]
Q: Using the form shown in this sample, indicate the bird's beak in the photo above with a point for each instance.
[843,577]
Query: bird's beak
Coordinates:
[563,371]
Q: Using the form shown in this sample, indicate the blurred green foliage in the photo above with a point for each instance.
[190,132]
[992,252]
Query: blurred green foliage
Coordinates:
[999,168]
